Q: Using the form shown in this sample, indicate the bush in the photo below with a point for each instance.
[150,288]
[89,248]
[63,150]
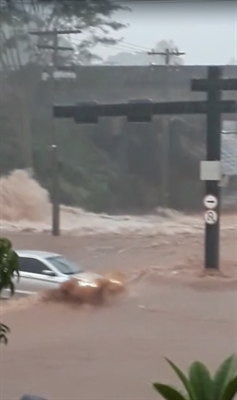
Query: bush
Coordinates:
[200,385]
[8,271]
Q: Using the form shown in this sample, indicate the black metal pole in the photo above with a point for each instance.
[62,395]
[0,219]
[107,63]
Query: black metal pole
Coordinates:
[165,172]
[212,231]
[55,193]
[55,169]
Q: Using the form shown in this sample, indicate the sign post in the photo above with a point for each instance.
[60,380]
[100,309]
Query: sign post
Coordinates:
[213,85]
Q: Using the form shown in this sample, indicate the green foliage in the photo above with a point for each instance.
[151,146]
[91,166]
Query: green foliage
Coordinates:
[222,376]
[168,392]
[200,385]
[4,330]
[10,156]
[201,381]
[8,265]
[88,177]
[18,50]
[93,17]
[8,270]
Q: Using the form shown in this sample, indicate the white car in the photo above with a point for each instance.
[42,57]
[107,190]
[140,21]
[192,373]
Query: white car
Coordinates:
[42,270]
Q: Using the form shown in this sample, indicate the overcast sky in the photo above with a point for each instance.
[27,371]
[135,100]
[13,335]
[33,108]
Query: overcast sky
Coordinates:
[206,32]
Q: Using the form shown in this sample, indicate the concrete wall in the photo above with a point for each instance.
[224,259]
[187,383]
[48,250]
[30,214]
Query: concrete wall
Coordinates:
[114,84]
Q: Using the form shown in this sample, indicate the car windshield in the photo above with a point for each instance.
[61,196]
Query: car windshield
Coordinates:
[65,266]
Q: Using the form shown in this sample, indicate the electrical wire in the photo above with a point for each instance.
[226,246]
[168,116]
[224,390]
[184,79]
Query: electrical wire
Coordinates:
[120,47]
[135,45]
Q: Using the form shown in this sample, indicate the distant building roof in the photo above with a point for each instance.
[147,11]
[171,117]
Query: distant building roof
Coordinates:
[229,148]
[229,126]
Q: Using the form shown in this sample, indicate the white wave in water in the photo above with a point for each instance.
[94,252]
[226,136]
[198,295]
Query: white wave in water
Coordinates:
[25,206]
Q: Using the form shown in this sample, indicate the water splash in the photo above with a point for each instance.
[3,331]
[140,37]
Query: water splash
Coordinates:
[25,206]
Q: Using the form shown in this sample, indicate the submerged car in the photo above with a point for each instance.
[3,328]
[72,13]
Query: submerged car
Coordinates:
[43,270]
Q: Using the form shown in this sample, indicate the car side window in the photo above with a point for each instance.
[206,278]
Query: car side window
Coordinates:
[28,264]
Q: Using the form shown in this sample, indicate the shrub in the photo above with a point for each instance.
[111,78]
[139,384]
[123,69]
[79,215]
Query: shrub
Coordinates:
[8,271]
[200,385]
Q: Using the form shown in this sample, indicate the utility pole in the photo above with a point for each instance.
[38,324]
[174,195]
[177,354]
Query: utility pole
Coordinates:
[167,54]
[55,162]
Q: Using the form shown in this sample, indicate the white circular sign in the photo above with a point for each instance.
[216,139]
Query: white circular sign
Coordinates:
[210,201]
[211,217]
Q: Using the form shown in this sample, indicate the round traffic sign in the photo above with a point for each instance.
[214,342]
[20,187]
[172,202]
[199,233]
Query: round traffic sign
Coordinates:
[210,201]
[211,217]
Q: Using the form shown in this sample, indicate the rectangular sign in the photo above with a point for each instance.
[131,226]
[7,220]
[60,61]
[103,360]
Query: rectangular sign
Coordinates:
[210,171]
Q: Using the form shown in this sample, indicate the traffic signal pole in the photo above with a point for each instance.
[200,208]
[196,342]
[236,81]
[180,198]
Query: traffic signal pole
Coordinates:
[213,108]
[211,168]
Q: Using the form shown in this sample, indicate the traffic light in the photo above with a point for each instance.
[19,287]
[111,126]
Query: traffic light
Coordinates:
[63,111]
[86,113]
[139,110]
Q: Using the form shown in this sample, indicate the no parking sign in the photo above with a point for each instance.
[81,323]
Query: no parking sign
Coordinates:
[211,217]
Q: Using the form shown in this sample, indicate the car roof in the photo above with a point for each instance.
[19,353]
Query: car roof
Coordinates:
[36,253]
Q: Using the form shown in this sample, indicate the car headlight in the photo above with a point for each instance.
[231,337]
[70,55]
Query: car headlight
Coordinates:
[116,282]
[90,284]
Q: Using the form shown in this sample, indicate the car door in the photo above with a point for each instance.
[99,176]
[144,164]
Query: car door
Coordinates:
[32,278]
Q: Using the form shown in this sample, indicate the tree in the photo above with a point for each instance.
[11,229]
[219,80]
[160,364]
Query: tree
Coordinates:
[199,385]
[93,17]
[8,271]
[19,49]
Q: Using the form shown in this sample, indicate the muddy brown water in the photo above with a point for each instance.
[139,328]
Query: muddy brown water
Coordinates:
[113,352]
[73,351]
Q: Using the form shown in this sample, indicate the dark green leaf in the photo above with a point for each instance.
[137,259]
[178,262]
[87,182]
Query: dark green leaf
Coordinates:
[4,330]
[230,390]
[183,379]
[9,268]
[201,381]
[12,288]
[168,392]
[222,377]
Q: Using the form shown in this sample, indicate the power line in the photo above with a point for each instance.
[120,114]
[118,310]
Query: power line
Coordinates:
[135,45]
[120,46]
